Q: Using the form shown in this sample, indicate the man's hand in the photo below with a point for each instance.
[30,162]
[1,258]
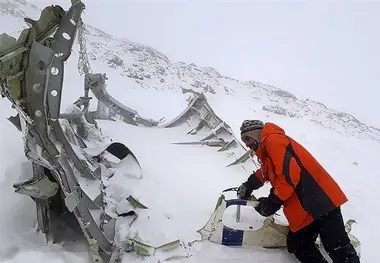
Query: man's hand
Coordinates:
[244,192]
[253,183]
[268,205]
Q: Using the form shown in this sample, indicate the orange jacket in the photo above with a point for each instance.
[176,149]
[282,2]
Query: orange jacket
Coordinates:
[305,187]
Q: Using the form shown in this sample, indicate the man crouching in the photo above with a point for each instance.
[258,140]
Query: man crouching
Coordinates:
[310,197]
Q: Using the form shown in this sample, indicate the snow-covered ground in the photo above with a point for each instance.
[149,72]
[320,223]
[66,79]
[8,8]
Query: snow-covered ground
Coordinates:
[181,183]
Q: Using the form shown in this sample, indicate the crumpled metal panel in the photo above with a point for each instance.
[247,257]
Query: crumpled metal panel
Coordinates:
[41,188]
[12,50]
[109,107]
[96,82]
[38,59]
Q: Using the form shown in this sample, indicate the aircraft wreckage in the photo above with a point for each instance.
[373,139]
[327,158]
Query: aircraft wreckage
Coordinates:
[66,149]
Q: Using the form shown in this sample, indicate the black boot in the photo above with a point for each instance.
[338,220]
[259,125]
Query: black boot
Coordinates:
[345,254]
[311,255]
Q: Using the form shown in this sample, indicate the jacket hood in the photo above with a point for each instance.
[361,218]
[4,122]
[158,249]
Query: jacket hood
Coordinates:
[269,129]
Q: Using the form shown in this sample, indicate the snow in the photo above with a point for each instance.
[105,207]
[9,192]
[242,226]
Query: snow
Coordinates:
[181,183]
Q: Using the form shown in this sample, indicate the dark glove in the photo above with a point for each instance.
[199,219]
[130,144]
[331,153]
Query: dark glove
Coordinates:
[268,205]
[244,191]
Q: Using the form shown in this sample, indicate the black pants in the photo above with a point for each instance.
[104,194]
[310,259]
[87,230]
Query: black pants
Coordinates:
[333,236]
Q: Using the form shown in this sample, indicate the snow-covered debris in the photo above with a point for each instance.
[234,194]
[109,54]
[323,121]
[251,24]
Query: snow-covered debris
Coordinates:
[179,185]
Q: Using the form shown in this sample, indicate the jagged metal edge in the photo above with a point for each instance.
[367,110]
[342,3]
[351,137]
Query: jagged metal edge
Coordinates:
[13,54]
[49,20]
[198,102]
[96,82]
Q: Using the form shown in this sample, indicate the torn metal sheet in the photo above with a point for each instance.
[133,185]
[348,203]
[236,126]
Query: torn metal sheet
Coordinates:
[136,203]
[42,188]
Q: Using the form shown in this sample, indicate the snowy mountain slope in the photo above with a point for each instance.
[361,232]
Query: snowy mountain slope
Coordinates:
[13,13]
[151,69]
[185,190]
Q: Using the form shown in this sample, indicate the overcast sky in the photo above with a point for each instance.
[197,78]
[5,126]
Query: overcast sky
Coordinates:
[328,52]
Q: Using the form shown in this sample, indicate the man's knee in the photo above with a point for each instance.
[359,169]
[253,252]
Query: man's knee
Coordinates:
[292,242]
[299,241]
[303,247]
[302,239]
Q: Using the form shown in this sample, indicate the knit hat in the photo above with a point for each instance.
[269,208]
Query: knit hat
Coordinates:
[251,128]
